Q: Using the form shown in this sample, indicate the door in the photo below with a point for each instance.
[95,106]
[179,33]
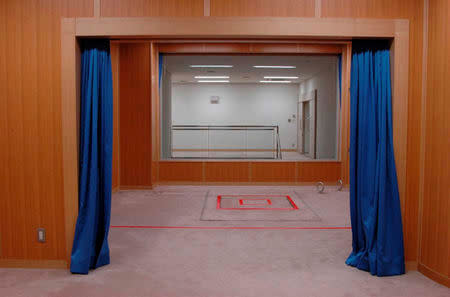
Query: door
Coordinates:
[306,133]
[307,124]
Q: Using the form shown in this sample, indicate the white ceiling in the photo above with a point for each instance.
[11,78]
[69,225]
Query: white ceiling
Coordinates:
[243,70]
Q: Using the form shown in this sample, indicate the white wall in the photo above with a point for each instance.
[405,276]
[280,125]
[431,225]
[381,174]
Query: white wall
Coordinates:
[240,104]
[327,101]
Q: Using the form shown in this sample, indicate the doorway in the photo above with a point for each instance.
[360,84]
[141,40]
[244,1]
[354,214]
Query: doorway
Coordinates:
[306,120]
[169,171]
[307,123]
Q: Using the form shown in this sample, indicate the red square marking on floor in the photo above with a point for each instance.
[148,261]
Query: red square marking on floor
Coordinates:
[255,202]
[259,202]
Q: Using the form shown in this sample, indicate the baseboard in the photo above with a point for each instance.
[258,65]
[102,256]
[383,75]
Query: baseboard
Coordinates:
[238,183]
[411,265]
[437,277]
[20,263]
[231,150]
[114,190]
[137,188]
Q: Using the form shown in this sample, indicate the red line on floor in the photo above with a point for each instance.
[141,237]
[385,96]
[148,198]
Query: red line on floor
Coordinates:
[256,195]
[232,228]
[219,205]
[268,202]
[255,208]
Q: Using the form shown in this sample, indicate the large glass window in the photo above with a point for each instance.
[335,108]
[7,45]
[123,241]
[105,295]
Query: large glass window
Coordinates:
[250,107]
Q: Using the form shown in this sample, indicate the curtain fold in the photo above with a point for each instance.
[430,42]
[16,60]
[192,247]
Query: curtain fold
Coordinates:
[90,247]
[374,198]
[340,79]
[160,69]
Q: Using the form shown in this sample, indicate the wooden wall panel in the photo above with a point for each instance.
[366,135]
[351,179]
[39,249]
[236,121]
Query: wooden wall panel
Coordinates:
[5,209]
[70,109]
[279,8]
[345,115]
[30,118]
[272,171]
[155,113]
[227,172]
[203,48]
[256,48]
[180,171]
[248,172]
[412,10]
[435,236]
[30,126]
[318,171]
[143,8]
[135,115]
[116,154]
[370,8]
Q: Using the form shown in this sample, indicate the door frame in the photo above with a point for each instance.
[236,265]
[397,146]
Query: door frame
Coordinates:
[235,29]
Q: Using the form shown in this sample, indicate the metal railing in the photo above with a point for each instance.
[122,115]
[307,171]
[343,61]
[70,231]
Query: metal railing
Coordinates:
[201,144]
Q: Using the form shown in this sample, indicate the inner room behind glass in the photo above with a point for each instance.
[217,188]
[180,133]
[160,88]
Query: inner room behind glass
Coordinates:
[250,107]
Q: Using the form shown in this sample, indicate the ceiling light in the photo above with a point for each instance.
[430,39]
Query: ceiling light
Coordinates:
[211,77]
[211,66]
[275,81]
[280,77]
[213,81]
[282,67]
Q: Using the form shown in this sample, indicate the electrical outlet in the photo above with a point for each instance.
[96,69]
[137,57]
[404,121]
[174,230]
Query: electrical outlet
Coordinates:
[41,235]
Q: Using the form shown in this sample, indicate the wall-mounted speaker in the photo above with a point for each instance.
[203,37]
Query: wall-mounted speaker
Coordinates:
[214,99]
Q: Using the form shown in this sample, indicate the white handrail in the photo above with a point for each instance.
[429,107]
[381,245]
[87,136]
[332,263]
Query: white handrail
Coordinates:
[246,128]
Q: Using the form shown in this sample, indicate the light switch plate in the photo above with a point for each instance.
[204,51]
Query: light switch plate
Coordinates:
[41,234]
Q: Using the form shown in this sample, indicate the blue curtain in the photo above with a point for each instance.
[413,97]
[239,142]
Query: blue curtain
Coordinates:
[374,199]
[340,79]
[90,247]
[160,65]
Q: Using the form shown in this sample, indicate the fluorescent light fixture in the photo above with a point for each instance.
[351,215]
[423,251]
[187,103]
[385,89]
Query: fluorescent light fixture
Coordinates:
[275,81]
[211,66]
[213,81]
[279,67]
[211,77]
[280,77]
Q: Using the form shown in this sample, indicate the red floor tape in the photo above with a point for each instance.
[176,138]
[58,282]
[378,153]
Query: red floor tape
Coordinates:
[263,206]
[261,202]
[231,228]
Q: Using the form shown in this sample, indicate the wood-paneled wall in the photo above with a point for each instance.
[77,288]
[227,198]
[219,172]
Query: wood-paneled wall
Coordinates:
[434,259]
[30,128]
[115,64]
[135,115]
[279,8]
[141,8]
[30,104]
[248,172]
